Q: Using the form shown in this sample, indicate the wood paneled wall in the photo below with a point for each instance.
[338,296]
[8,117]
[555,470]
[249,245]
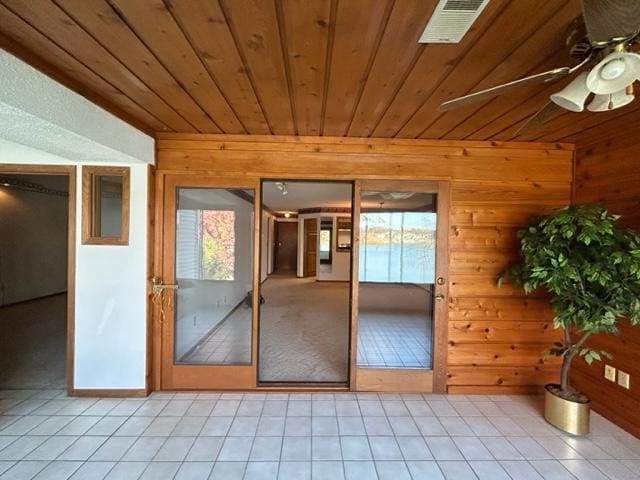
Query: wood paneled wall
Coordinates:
[608,171]
[496,335]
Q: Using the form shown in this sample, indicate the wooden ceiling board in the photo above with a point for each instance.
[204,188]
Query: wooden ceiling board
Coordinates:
[68,35]
[525,58]
[299,67]
[205,25]
[307,27]
[397,54]
[103,23]
[492,50]
[356,40]
[496,108]
[514,118]
[255,26]
[154,24]
[571,122]
[33,47]
[433,65]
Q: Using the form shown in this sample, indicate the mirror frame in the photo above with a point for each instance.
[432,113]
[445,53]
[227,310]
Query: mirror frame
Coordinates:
[90,176]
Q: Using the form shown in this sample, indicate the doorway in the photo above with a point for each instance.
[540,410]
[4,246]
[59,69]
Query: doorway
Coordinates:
[286,246]
[401,286]
[37,251]
[370,315]
[304,319]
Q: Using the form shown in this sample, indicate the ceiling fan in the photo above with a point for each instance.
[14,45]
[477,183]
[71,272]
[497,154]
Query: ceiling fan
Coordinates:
[602,40]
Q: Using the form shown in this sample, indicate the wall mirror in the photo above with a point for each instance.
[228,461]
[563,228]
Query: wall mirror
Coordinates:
[105,205]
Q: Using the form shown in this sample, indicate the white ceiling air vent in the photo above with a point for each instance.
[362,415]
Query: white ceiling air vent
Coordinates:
[451,20]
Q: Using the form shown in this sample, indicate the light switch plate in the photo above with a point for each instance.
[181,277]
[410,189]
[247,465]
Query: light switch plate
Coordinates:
[623,379]
[610,373]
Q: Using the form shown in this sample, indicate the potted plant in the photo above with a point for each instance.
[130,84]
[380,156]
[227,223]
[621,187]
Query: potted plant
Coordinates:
[591,268]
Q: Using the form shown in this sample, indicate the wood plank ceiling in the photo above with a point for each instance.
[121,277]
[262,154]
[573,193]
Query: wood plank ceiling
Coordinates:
[301,67]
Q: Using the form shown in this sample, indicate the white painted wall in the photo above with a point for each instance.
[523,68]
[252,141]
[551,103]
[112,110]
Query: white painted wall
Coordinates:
[42,122]
[33,241]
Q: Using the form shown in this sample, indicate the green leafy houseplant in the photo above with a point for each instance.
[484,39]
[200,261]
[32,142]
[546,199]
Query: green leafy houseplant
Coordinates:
[591,268]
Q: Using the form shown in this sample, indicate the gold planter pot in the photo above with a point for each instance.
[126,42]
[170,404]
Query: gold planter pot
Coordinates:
[572,417]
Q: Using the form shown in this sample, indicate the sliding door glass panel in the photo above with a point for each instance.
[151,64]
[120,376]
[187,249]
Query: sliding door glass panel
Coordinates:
[214,270]
[396,279]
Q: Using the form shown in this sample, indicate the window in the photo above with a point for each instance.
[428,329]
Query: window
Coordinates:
[206,244]
[397,247]
[326,241]
[105,205]
[344,234]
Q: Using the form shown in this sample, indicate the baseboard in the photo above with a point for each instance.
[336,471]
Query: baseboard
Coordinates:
[108,392]
[42,297]
[496,389]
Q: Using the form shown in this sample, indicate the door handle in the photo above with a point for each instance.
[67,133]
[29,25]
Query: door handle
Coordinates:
[158,287]
[439,297]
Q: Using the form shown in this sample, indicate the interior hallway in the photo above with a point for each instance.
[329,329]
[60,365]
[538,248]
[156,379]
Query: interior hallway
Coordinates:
[304,330]
[33,343]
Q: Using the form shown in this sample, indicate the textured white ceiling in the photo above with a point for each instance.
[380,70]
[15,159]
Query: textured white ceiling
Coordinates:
[40,113]
[306,195]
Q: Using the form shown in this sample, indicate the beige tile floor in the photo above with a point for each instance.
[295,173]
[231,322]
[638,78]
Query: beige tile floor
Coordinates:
[297,436]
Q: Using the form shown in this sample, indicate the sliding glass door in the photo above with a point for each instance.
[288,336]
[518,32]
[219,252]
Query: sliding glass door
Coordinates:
[206,301]
[401,291]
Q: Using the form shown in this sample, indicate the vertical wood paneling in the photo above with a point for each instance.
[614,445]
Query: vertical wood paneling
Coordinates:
[609,172]
[496,336]
[397,53]
[326,67]
[61,30]
[549,37]
[255,26]
[307,34]
[480,61]
[204,24]
[30,45]
[154,24]
[355,43]
[433,65]
[101,21]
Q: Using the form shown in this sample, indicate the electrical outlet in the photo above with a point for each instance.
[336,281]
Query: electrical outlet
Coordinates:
[623,379]
[610,373]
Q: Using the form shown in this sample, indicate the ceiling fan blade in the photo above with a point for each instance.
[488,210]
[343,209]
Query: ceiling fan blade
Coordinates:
[506,87]
[611,19]
[540,117]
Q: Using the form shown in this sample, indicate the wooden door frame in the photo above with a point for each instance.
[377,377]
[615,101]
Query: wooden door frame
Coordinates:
[440,334]
[70,171]
[373,378]
[306,249]
[163,215]
[276,250]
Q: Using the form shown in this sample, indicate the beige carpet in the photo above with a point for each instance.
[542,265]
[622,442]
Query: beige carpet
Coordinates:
[33,344]
[304,330]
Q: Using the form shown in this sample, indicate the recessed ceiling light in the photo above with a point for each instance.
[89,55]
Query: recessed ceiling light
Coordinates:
[287,215]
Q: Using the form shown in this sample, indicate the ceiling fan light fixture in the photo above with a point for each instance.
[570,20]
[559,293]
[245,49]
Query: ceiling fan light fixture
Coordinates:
[573,96]
[604,103]
[614,73]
